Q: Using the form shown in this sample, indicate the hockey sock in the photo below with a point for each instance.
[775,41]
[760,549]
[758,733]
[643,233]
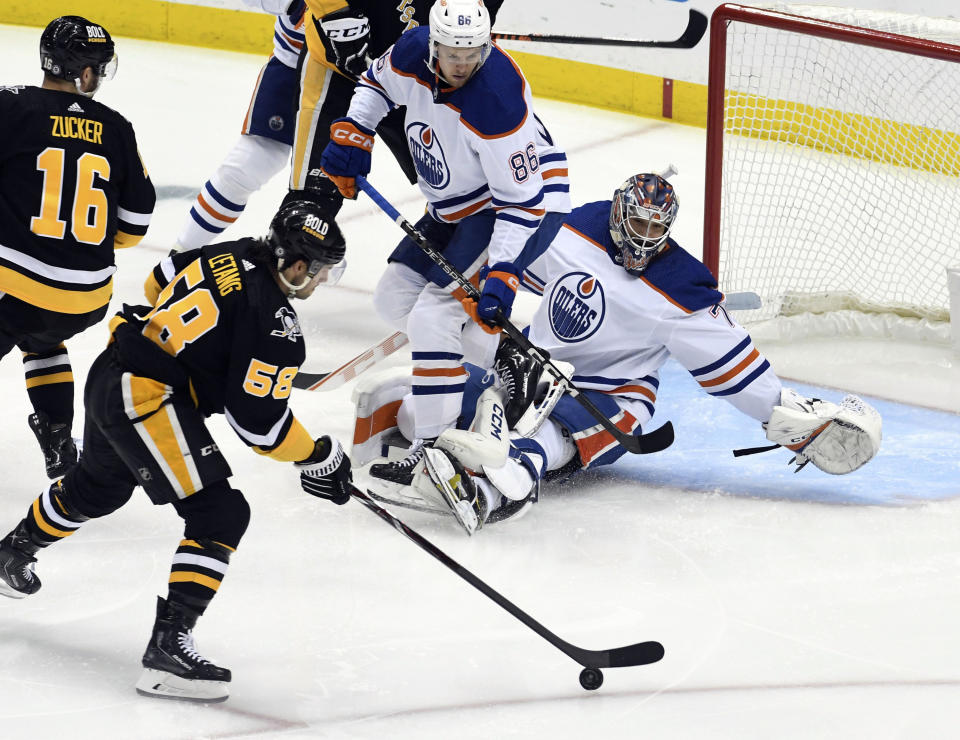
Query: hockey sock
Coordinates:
[51,518]
[198,568]
[49,380]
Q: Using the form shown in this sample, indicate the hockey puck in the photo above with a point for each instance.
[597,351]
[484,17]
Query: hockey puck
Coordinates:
[591,678]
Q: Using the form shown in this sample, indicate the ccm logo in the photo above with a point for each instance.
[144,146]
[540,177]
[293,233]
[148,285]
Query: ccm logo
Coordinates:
[351,32]
[354,138]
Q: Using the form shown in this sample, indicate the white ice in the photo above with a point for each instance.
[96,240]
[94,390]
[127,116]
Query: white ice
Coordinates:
[791,606]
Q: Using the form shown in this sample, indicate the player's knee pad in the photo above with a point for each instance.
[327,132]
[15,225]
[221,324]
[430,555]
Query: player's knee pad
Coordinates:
[218,513]
[89,497]
[396,293]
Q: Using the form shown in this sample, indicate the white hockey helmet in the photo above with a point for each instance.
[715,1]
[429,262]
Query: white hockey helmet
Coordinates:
[463,24]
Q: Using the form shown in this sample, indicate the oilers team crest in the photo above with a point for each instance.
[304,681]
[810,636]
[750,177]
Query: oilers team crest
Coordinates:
[577,307]
[428,155]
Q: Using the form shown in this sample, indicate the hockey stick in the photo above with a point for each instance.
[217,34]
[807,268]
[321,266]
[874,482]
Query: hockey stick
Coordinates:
[352,368]
[641,653]
[655,441]
[696,27]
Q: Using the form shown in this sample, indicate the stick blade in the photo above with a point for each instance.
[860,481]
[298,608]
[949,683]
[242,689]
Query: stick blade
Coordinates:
[656,441]
[642,653]
[696,27]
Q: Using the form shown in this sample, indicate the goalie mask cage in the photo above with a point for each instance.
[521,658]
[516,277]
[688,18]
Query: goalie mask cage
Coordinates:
[833,160]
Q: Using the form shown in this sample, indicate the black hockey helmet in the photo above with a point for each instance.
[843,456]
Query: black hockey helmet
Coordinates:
[301,230]
[69,44]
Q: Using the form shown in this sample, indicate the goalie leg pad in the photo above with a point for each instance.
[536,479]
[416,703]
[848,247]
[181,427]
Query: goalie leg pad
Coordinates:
[487,441]
[837,439]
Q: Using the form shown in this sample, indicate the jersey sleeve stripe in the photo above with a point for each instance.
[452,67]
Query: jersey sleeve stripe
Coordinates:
[525,222]
[706,369]
[732,372]
[760,370]
[132,217]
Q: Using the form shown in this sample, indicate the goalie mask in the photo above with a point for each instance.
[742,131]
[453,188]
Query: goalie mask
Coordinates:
[641,215]
[463,28]
[70,44]
[300,231]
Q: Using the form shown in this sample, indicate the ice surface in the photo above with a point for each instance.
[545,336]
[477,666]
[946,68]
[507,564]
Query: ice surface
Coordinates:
[791,606]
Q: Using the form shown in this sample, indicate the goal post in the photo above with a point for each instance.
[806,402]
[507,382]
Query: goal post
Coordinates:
[833,159]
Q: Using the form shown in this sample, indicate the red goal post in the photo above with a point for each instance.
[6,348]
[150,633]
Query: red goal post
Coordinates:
[833,159]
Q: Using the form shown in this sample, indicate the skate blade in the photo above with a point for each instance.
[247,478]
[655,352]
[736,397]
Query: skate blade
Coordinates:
[11,593]
[163,685]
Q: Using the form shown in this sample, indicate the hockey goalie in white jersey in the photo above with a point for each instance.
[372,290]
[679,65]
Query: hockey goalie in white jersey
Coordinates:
[620,297]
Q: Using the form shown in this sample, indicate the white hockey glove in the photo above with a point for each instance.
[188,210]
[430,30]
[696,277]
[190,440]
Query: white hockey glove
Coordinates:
[837,439]
[326,473]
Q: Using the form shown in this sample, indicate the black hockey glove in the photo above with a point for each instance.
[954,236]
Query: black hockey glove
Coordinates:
[326,473]
[346,37]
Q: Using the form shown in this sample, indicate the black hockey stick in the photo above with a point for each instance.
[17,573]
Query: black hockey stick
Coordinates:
[641,653]
[696,27]
[655,441]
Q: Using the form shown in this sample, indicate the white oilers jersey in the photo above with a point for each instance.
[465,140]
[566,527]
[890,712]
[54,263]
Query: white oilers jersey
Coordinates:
[618,329]
[288,34]
[476,147]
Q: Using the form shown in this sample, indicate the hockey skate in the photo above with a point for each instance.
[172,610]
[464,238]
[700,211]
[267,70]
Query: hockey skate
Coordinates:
[172,667]
[17,579]
[59,449]
[401,471]
[442,477]
[518,374]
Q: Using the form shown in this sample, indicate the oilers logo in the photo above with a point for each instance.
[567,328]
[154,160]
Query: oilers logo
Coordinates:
[428,155]
[577,307]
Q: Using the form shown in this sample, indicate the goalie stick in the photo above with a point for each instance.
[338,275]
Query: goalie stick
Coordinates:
[641,653]
[655,441]
[352,368]
[696,27]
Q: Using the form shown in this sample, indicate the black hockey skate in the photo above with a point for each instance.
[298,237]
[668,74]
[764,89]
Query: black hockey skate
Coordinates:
[17,579]
[172,667]
[59,450]
[519,374]
[401,471]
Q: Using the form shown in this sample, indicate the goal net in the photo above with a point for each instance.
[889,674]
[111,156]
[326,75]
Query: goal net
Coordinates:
[833,161]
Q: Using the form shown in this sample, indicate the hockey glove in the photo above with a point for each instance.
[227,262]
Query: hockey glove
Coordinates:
[347,155]
[326,473]
[499,290]
[346,37]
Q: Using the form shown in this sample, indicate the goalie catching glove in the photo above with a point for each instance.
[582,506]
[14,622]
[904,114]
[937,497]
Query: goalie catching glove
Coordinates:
[837,439]
[326,473]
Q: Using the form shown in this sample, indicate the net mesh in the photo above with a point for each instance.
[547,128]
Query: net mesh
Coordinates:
[840,185]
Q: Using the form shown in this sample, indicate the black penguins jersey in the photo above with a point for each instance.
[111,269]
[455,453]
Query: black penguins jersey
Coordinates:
[389,20]
[72,188]
[233,331]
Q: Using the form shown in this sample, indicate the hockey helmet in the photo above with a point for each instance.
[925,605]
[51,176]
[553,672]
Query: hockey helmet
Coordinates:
[301,231]
[69,44]
[642,213]
[459,24]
